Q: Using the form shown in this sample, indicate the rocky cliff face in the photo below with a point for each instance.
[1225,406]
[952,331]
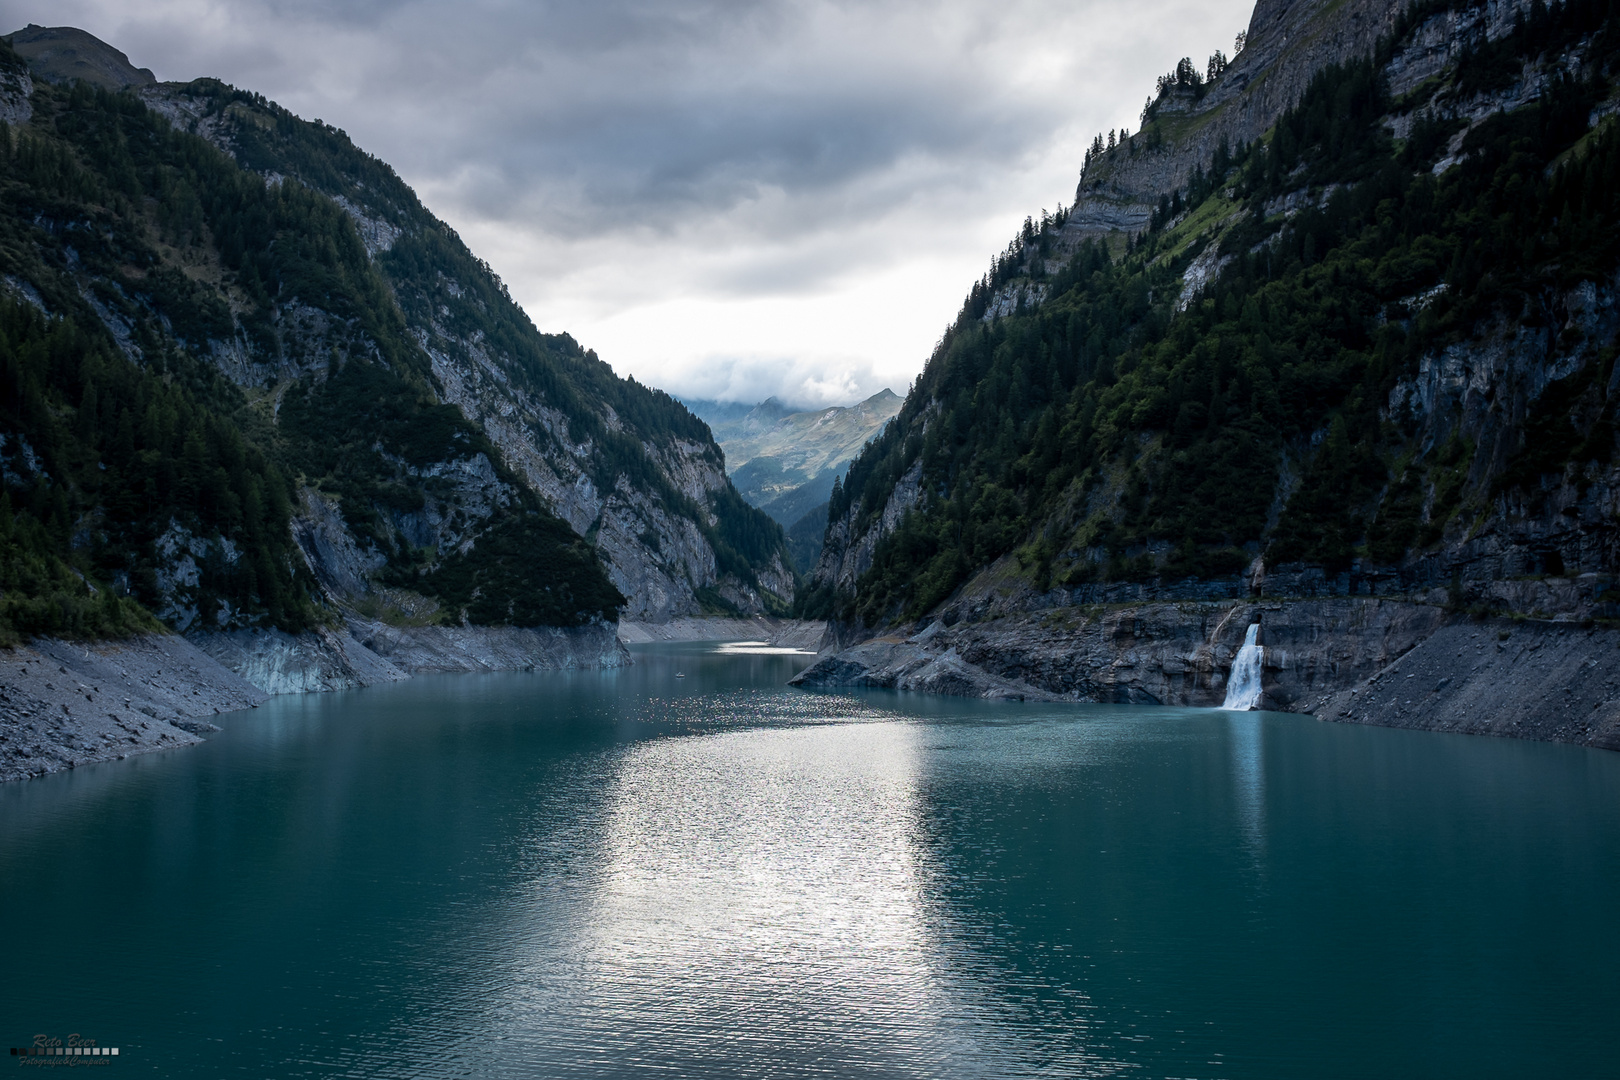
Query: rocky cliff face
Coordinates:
[1287,42]
[16,87]
[1487,392]
[659,555]
[851,542]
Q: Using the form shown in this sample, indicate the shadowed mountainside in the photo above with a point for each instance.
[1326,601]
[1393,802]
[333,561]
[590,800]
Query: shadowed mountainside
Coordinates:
[1357,338]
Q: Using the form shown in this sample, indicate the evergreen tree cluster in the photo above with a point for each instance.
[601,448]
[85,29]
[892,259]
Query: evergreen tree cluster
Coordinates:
[1186,80]
[101,458]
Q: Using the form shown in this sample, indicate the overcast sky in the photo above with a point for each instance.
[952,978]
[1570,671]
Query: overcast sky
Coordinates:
[725,198]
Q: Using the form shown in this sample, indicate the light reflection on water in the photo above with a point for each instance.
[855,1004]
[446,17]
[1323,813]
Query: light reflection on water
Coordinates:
[629,873]
[772,888]
[1249,776]
[757,648]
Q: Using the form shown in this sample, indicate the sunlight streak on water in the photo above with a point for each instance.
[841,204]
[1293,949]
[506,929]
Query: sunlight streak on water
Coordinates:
[1249,777]
[758,648]
[774,886]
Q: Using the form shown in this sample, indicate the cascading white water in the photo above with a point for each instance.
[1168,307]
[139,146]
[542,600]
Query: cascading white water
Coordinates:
[1243,686]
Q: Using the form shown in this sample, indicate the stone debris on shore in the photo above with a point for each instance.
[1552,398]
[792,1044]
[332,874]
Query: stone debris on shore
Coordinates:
[64,704]
[1522,680]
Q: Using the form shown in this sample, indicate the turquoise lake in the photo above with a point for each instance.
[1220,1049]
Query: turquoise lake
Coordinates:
[687,869]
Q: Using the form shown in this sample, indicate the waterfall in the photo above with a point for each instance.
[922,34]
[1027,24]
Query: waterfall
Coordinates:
[1243,686]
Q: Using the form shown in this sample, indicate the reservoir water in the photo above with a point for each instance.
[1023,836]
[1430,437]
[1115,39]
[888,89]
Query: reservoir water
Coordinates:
[685,869]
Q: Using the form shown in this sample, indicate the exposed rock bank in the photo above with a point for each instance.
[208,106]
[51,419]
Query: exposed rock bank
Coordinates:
[64,704]
[367,652]
[1525,681]
[1375,661]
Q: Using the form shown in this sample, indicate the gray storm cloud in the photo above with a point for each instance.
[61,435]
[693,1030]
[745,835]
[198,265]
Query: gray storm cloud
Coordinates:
[618,155]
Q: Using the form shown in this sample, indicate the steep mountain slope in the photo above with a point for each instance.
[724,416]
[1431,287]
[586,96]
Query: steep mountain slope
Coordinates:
[1372,353]
[807,536]
[252,377]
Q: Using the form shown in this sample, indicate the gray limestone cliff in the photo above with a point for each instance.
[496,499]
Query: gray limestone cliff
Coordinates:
[1287,42]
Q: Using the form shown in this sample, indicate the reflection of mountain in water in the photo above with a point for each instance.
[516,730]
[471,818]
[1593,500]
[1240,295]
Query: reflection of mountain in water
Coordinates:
[785,462]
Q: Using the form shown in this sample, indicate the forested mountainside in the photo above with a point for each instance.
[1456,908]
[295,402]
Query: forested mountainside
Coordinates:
[248,377]
[1371,351]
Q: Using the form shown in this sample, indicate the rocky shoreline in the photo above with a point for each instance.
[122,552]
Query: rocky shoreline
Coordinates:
[1379,661]
[1386,662]
[65,704]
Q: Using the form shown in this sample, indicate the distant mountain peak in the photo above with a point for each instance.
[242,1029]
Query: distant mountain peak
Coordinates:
[63,53]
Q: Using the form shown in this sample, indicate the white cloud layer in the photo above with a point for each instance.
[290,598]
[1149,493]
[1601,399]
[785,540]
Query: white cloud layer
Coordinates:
[725,198]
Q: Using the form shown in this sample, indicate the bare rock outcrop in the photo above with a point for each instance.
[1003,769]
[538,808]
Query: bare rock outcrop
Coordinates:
[1287,42]
[850,544]
[64,704]
[442,649]
[16,88]
[1545,681]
